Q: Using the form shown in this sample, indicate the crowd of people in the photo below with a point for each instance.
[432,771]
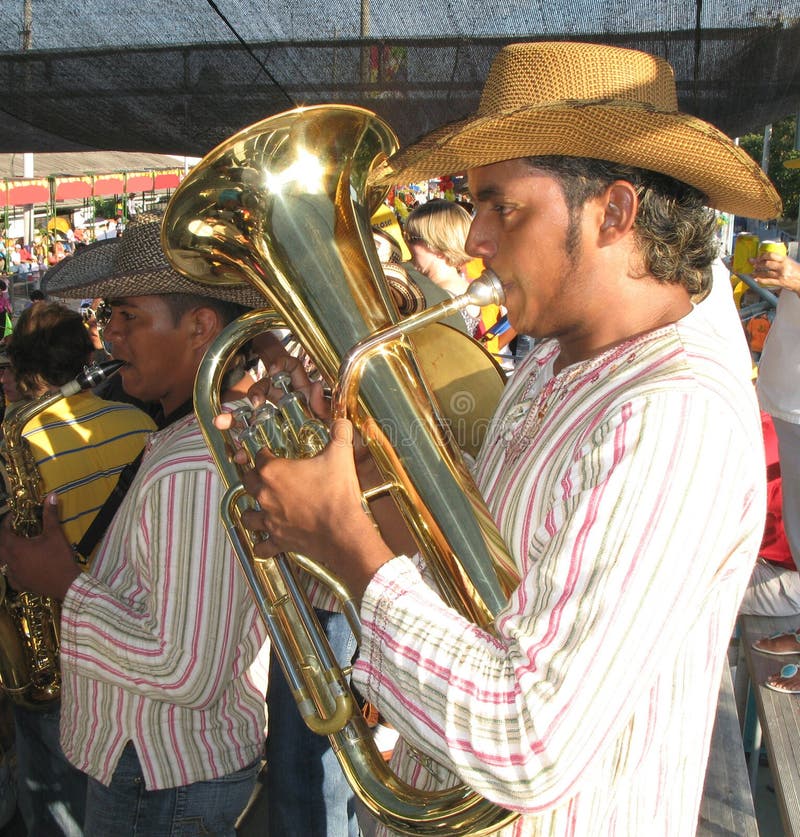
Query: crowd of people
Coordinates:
[23,259]
[622,471]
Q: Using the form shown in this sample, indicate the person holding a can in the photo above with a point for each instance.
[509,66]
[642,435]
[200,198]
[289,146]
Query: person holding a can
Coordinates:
[777,588]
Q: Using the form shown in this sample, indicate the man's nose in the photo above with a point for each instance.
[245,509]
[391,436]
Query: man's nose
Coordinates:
[478,243]
[109,329]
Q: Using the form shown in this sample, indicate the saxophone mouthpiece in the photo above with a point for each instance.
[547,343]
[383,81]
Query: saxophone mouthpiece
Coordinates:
[92,376]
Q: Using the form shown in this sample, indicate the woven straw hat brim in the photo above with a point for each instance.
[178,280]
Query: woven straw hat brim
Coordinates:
[95,260]
[625,132]
[91,272]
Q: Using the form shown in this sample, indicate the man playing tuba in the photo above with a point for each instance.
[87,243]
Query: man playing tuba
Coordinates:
[622,466]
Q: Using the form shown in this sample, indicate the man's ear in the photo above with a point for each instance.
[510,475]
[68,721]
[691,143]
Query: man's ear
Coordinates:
[620,205]
[204,325]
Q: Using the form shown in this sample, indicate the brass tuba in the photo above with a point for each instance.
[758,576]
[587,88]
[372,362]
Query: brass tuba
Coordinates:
[285,206]
[29,623]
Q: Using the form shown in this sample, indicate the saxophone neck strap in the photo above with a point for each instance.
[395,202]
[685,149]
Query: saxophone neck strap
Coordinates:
[102,520]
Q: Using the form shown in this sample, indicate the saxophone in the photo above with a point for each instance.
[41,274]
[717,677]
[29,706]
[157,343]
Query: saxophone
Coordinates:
[29,623]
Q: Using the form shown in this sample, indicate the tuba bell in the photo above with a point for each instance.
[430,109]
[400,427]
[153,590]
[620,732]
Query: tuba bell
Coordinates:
[285,205]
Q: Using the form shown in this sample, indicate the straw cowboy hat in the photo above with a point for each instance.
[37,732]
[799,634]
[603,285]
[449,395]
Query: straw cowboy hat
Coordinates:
[589,100]
[134,265]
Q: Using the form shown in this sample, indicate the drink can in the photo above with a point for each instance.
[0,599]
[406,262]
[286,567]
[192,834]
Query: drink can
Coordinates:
[745,248]
[771,247]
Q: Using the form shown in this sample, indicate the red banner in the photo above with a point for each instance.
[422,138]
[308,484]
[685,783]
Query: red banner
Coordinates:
[109,186]
[167,180]
[139,182]
[78,188]
[24,192]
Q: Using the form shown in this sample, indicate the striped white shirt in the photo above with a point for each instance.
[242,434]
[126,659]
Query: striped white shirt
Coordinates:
[158,641]
[630,489]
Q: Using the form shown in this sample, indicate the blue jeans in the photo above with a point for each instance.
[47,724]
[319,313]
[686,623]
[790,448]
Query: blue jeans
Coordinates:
[51,793]
[307,794]
[127,809]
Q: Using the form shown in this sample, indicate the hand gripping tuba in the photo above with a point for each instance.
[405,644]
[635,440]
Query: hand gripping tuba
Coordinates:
[285,206]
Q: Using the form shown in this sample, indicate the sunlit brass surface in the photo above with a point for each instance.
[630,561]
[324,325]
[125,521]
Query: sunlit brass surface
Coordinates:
[284,206]
[29,623]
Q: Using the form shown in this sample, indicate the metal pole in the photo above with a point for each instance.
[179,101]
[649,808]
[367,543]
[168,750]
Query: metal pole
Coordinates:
[364,32]
[797,148]
[27,24]
[765,152]
[27,157]
[765,168]
[27,214]
[728,249]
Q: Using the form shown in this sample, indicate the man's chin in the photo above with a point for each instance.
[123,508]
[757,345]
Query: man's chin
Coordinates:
[129,383]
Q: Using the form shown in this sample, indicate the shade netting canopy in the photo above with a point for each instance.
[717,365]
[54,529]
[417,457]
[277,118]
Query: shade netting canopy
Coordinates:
[178,78]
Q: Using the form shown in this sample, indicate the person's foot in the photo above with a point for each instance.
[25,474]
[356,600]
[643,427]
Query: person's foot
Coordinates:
[787,680]
[785,643]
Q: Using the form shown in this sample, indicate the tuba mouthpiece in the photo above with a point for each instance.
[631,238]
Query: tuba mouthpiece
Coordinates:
[487,289]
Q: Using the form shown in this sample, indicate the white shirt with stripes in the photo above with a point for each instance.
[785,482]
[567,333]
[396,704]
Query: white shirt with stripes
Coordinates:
[161,644]
[630,491]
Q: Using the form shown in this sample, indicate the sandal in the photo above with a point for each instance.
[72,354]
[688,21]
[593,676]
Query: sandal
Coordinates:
[779,644]
[787,681]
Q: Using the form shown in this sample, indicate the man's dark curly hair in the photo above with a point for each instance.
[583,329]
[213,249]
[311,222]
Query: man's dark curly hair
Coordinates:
[674,227]
[49,347]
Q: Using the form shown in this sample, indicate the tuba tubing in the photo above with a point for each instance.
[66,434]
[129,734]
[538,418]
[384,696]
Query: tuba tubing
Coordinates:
[285,207]
[320,688]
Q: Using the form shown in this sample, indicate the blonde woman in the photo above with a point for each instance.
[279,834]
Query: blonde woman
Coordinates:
[436,233]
